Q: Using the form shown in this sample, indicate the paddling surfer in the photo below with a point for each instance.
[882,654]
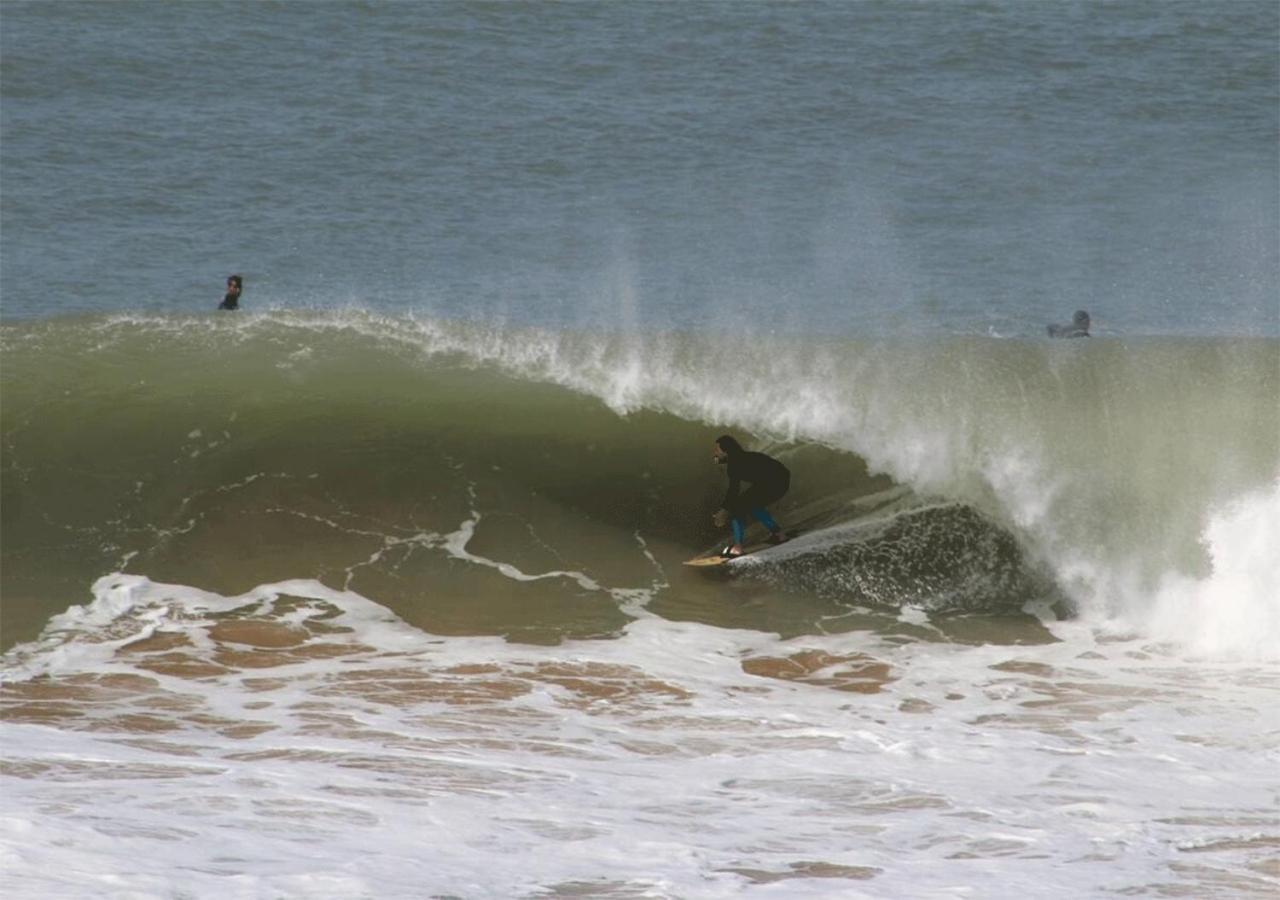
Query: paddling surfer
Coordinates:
[769,480]
[232,300]
[1079,327]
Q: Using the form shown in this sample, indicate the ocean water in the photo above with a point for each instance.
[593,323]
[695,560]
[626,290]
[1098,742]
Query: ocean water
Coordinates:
[374,587]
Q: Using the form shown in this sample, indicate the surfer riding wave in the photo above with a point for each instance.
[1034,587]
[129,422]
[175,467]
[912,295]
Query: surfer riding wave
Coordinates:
[769,480]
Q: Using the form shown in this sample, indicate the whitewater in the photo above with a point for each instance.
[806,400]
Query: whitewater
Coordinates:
[374,587]
[322,747]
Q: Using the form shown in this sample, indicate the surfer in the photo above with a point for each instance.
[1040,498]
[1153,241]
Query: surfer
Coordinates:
[769,480]
[232,299]
[1079,327]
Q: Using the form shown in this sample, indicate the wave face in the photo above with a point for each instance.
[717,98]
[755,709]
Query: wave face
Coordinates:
[1138,479]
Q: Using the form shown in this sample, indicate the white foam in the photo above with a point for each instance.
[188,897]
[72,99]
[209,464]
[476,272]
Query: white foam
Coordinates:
[401,764]
[1236,608]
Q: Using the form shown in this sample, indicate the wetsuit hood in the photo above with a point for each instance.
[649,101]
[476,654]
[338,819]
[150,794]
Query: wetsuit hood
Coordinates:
[729,445]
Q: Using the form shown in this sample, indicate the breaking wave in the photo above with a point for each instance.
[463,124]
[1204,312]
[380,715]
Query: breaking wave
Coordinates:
[1136,479]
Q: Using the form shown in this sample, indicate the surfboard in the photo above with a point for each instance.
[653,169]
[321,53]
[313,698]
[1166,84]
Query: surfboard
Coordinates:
[715,559]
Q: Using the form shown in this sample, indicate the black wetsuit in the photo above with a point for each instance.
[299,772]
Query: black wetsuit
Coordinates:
[769,480]
[230,301]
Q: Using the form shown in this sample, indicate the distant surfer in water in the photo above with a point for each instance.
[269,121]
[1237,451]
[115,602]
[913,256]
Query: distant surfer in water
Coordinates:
[769,480]
[232,299]
[1079,327]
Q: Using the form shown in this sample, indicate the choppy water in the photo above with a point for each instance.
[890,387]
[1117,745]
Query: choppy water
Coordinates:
[374,588]
[859,166]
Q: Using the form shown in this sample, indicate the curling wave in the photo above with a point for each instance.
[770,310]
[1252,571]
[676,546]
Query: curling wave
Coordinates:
[232,452]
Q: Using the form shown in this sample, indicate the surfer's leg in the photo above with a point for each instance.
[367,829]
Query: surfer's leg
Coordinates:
[763,517]
[759,496]
[739,532]
[776,535]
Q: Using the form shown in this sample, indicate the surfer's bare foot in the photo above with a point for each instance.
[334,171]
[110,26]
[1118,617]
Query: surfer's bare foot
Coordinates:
[778,537]
[731,551]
